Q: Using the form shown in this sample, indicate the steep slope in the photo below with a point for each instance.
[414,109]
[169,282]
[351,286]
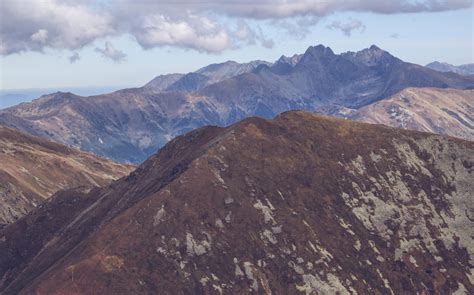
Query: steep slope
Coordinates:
[127,125]
[299,204]
[32,169]
[229,69]
[131,124]
[445,111]
[162,82]
[202,77]
[467,69]
[189,83]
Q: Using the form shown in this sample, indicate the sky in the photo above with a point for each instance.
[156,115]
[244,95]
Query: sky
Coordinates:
[87,43]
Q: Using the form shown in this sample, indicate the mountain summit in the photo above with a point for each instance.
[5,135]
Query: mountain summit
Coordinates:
[131,124]
[299,204]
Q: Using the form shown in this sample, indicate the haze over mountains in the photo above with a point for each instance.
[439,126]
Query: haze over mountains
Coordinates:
[131,124]
[32,169]
[467,69]
[301,204]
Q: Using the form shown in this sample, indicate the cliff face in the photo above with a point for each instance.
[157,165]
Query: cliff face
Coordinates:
[32,169]
[298,204]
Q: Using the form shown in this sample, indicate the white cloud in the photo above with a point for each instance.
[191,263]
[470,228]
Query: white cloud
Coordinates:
[285,8]
[110,52]
[347,27]
[191,31]
[35,24]
[210,26]
[40,36]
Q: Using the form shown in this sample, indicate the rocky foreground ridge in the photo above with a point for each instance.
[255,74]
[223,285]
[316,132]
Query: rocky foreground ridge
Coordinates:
[302,204]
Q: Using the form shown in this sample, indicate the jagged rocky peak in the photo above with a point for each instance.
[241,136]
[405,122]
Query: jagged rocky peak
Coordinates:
[371,56]
[285,64]
[290,60]
[319,51]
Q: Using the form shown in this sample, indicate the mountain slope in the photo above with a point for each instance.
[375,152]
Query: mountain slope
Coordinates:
[445,111]
[202,77]
[467,69]
[299,204]
[162,82]
[131,124]
[320,77]
[32,169]
[127,125]
[229,69]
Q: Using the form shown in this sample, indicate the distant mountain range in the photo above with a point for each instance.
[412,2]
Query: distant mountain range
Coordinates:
[131,124]
[32,169]
[467,69]
[13,97]
[302,204]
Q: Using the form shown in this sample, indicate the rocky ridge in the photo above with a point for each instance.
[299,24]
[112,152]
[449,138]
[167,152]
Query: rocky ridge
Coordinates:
[299,204]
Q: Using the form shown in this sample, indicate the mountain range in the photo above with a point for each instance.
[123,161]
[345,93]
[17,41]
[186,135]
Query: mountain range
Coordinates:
[32,169]
[299,204]
[467,69]
[131,124]
[11,97]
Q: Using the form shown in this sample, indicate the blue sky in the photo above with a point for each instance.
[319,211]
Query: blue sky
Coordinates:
[128,58]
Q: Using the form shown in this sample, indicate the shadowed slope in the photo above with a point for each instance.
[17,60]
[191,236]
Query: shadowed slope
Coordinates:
[32,169]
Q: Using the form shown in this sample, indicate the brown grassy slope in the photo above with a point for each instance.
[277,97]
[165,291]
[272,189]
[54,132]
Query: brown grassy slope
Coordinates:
[32,169]
[444,111]
[299,204]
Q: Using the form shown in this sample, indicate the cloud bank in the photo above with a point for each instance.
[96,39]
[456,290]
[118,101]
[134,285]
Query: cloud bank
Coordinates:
[208,26]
